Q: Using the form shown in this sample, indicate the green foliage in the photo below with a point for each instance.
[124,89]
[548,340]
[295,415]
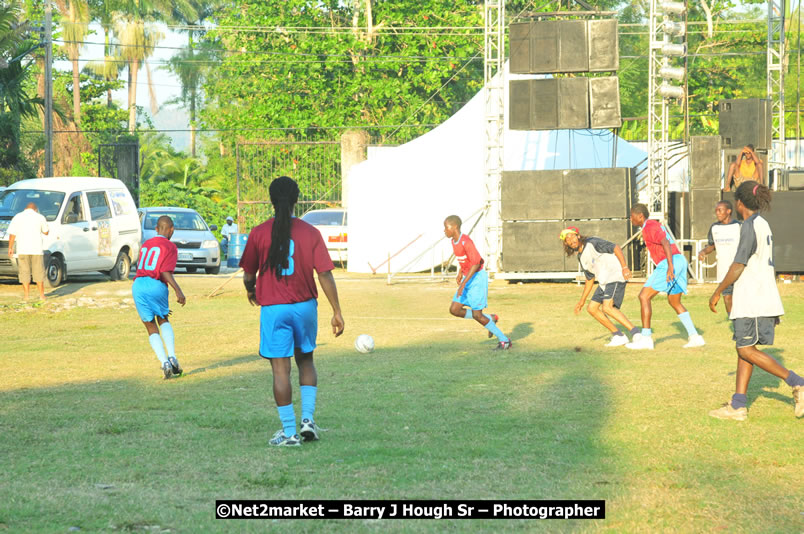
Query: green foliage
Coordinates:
[178,195]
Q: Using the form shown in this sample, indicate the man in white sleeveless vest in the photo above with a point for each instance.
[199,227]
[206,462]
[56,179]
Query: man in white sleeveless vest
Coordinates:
[757,306]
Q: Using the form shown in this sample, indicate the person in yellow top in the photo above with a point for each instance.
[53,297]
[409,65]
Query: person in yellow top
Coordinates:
[747,167]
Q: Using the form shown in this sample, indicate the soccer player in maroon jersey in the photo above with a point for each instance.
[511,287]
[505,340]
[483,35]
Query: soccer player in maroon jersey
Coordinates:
[473,283]
[154,274]
[278,263]
[669,276]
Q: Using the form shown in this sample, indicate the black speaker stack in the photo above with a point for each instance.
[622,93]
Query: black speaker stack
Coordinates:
[564,46]
[705,190]
[537,205]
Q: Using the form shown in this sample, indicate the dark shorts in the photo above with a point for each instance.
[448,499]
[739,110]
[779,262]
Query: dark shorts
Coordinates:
[612,291]
[729,290]
[750,331]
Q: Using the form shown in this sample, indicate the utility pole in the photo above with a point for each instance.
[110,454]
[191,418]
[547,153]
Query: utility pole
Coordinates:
[48,89]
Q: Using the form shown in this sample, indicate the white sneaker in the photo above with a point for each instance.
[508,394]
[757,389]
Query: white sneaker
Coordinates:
[695,341]
[641,342]
[617,341]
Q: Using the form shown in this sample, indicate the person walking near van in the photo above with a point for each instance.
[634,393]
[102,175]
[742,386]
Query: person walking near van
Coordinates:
[26,230]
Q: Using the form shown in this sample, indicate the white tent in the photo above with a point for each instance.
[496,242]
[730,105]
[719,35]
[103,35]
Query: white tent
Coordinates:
[402,194]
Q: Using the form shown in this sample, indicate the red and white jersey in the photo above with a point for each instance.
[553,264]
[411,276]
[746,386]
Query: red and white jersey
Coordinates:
[466,253]
[652,233]
[308,253]
[158,255]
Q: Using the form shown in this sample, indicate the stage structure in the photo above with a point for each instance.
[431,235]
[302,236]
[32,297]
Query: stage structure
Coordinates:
[494,96]
[775,66]
[666,83]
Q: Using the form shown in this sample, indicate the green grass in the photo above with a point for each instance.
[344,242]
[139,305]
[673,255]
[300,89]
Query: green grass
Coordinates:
[92,437]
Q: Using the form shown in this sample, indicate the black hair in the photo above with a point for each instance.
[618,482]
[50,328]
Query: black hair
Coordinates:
[284,193]
[754,196]
[581,242]
[163,224]
[728,205]
[750,146]
[641,209]
[454,219]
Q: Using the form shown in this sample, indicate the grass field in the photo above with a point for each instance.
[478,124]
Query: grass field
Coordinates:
[92,437]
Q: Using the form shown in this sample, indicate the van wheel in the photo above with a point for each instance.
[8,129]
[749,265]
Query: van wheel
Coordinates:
[122,267]
[54,271]
[213,270]
[191,269]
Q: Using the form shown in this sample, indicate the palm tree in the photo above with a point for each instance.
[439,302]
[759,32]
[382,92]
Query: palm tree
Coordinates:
[108,69]
[75,28]
[137,39]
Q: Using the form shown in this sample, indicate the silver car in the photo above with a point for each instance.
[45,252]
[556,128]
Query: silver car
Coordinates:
[197,246]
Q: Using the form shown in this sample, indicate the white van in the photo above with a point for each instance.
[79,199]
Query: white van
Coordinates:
[93,225]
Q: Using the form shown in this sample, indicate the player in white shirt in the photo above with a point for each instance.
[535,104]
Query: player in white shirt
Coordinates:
[756,306]
[723,237]
[603,261]
[26,230]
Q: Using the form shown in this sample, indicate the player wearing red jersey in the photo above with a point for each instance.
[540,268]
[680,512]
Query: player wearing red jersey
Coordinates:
[279,260]
[473,282]
[669,276]
[154,274]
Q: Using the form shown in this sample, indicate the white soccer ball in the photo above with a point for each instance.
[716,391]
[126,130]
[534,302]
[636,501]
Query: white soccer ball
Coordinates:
[364,343]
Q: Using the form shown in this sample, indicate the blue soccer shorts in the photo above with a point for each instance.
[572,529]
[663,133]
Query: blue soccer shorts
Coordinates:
[150,298]
[658,280]
[475,293]
[285,327]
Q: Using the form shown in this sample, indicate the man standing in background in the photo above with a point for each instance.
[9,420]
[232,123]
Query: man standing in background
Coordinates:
[26,230]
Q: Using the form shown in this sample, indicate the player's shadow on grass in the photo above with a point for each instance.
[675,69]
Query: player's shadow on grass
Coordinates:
[521,331]
[226,363]
[681,333]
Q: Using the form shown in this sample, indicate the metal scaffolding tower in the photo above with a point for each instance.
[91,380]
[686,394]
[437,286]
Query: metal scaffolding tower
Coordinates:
[493,64]
[663,30]
[777,159]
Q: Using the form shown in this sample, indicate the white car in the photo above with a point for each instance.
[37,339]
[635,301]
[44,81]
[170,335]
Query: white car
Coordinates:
[331,223]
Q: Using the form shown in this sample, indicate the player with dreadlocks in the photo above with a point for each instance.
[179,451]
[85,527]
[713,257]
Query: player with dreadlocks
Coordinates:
[756,305]
[278,263]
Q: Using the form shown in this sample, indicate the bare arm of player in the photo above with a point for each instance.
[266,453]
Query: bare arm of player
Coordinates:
[734,273]
[167,277]
[729,176]
[618,253]
[327,282]
[250,282]
[706,251]
[472,270]
[587,288]
[669,255]
[11,239]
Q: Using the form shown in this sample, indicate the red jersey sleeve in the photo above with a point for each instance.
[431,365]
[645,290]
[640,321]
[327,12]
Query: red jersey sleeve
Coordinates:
[321,260]
[472,255]
[170,257]
[250,260]
[653,232]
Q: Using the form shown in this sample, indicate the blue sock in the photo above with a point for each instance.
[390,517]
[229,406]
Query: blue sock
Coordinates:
[468,314]
[646,332]
[170,340]
[308,394]
[794,380]
[738,400]
[686,320]
[492,327]
[159,349]
[288,418]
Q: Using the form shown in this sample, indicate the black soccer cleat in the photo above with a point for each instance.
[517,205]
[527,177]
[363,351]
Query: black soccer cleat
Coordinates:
[167,370]
[175,367]
[503,345]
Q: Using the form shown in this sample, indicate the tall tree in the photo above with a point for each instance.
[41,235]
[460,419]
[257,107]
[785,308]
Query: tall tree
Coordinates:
[75,26]
[137,39]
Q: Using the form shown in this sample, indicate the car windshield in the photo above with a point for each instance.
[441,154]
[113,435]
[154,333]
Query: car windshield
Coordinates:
[324,218]
[13,201]
[182,220]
